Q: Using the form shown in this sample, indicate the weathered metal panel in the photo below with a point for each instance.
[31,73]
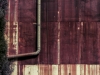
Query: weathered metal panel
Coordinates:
[98,40]
[70,10]
[27,29]
[11,20]
[27,11]
[90,48]
[69,43]
[63,42]
[79,40]
[15,67]
[31,70]
[43,70]
[91,11]
[43,57]
[80,10]
[27,40]
[49,11]
[52,43]
[68,69]
[49,43]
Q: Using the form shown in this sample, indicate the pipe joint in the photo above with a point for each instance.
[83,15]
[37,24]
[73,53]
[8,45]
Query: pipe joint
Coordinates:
[38,35]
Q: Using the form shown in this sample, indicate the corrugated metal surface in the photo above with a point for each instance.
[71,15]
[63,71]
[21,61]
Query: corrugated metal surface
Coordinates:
[70,35]
[63,42]
[27,29]
[59,70]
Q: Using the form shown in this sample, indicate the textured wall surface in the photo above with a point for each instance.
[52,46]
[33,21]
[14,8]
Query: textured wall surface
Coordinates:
[67,37]
[58,70]
[70,34]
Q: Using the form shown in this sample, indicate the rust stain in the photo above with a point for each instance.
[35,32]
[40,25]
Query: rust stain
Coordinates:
[64,41]
[70,42]
[53,69]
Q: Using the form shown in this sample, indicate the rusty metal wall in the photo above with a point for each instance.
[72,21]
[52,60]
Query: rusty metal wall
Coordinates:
[68,35]
[58,70]
[27,29]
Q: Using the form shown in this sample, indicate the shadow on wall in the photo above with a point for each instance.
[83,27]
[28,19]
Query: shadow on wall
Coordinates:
[5,65]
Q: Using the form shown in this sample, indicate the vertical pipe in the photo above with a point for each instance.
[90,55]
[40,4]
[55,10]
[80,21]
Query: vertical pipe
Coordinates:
[38,25]
[38,35]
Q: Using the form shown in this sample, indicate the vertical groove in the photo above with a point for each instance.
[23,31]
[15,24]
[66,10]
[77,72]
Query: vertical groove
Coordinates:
[98,26]
[47,34]
[59,4]
[15,33]
[8,27]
